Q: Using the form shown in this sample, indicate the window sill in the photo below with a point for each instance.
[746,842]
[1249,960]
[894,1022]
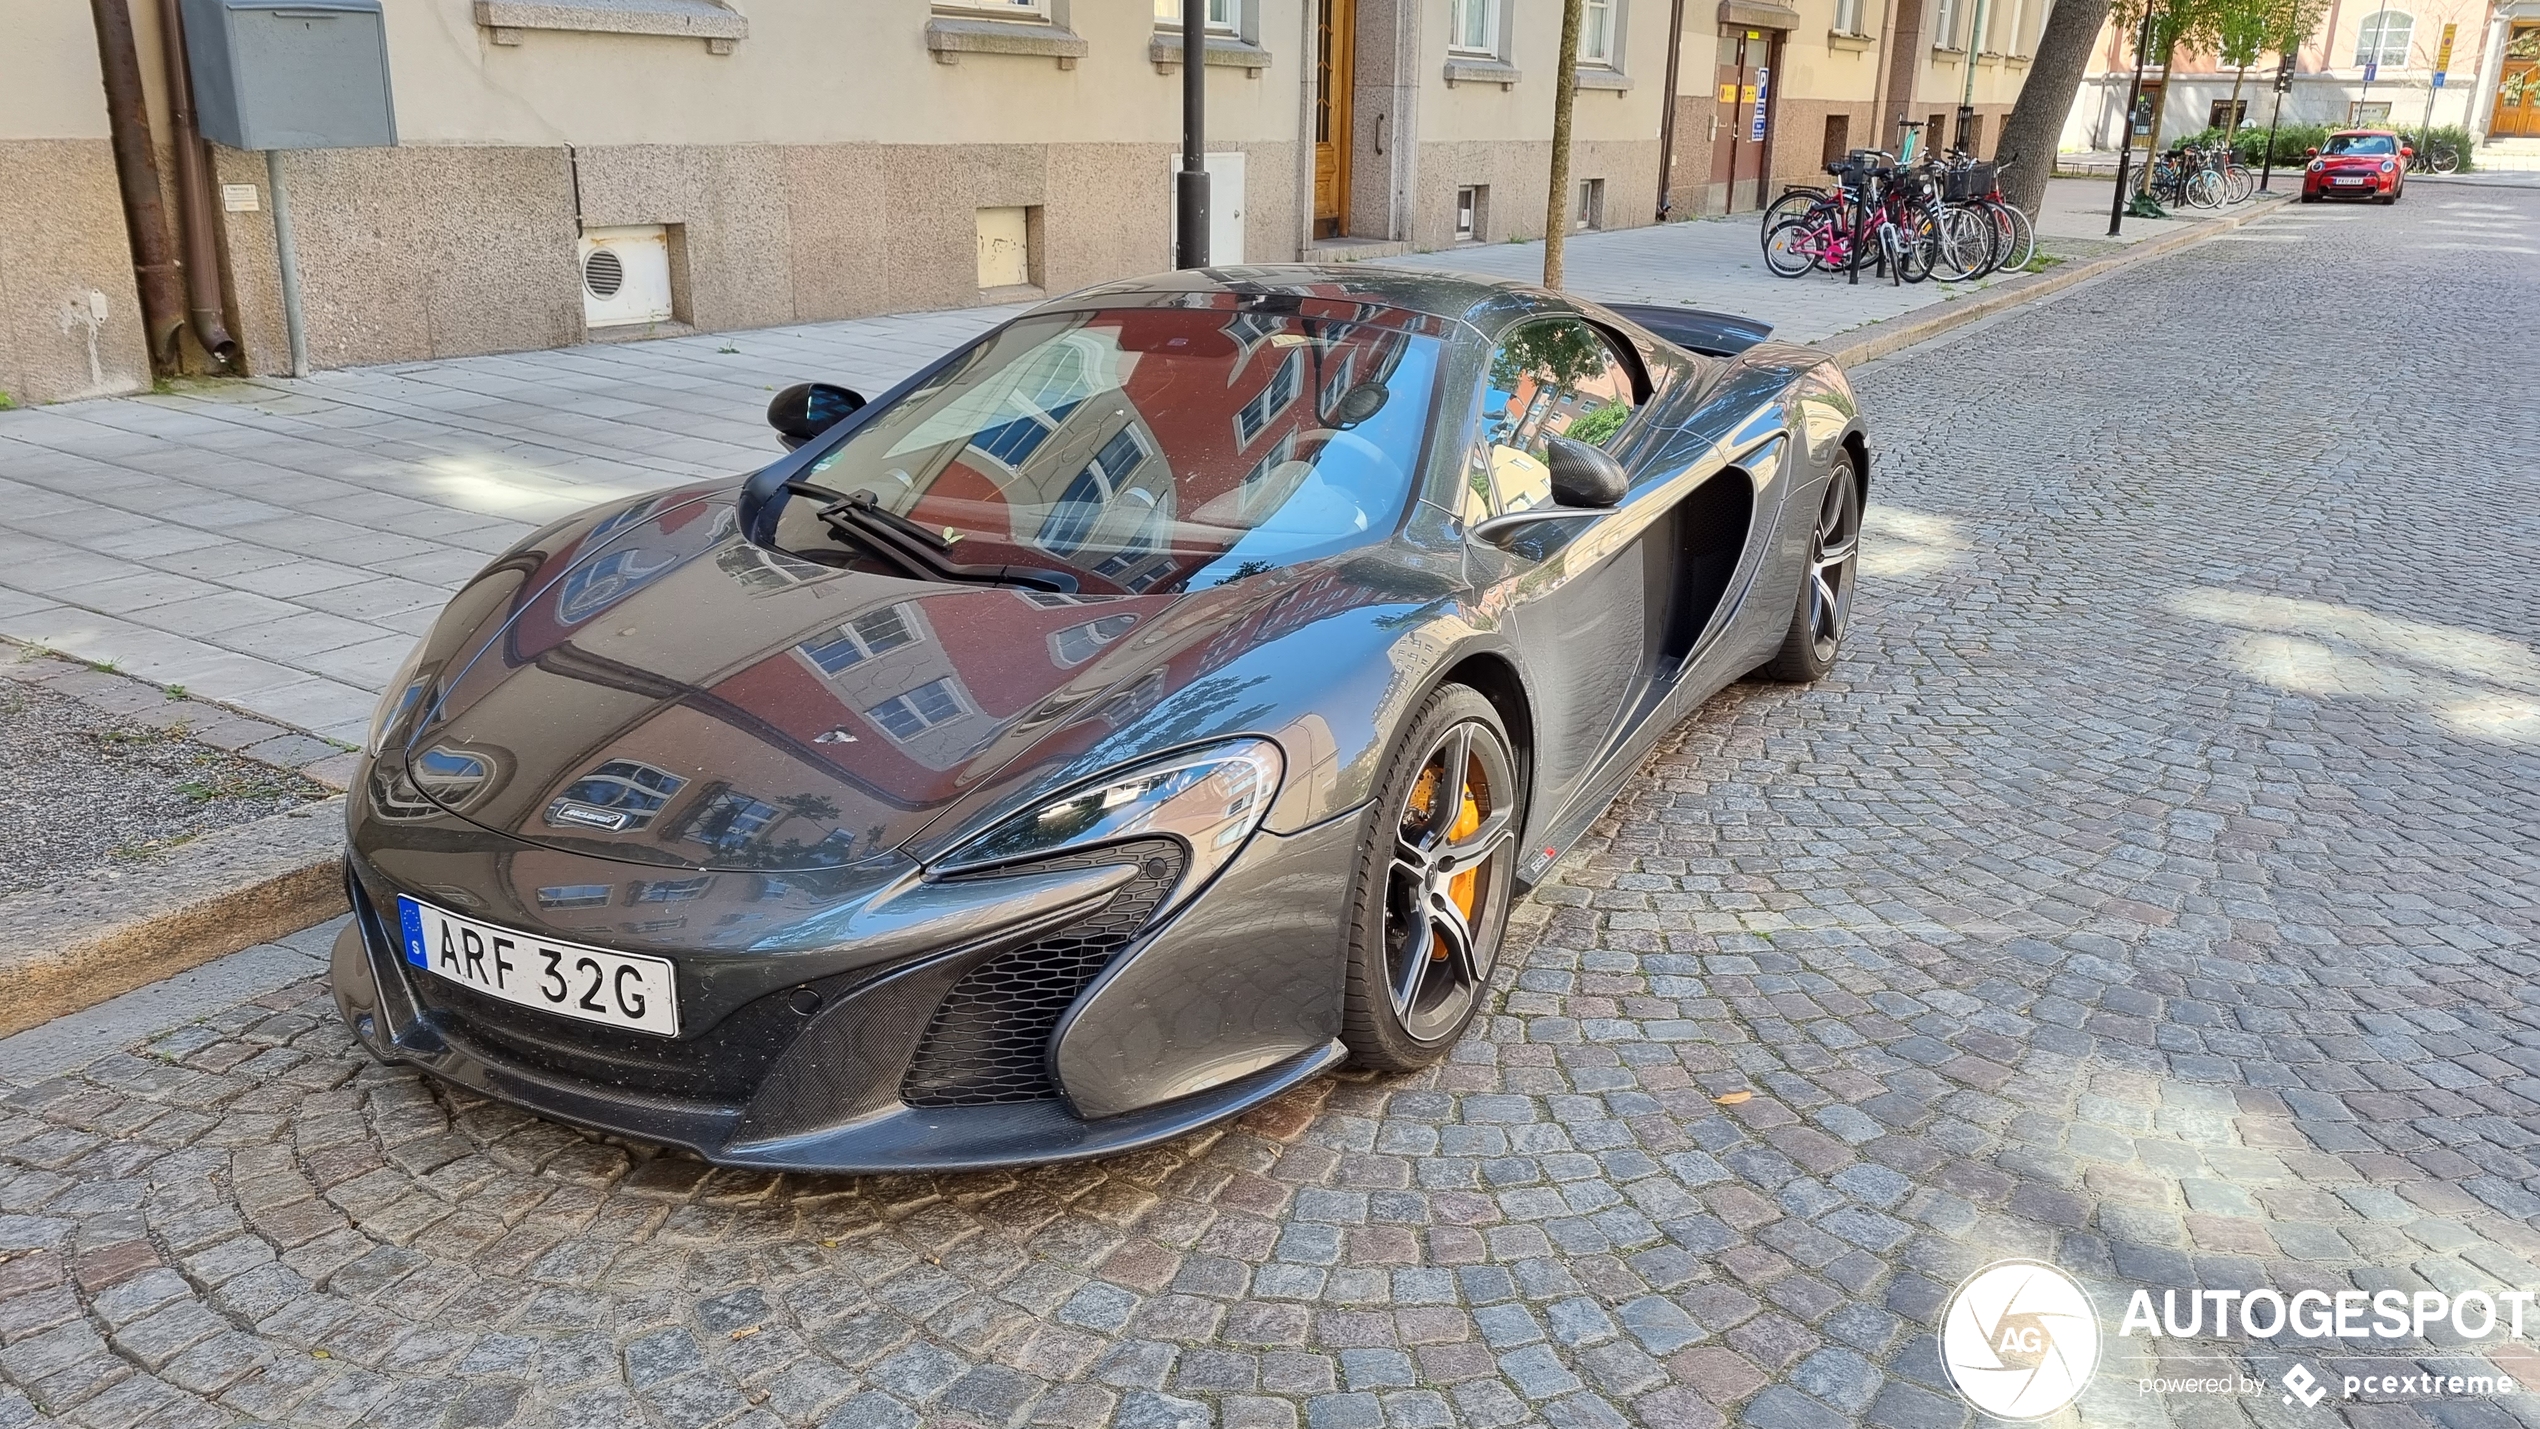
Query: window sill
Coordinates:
[1599,77]
[1228,50]
[1951,51]
[720,28]
[1848,40]
[1483,71]
[949,37]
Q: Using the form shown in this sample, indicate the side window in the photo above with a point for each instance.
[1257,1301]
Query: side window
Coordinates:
[1559,377]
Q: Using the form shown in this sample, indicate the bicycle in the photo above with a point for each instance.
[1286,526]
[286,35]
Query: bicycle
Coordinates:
[2433,156]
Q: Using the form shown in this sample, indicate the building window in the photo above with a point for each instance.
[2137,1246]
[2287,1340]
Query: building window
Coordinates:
[2384,38]
[2227,114]
[1596,33]
[728,821]
[872,633]
[1272,399]
[1944,33]
[1472,27]
[1071,522]
[906,716]
[1002,9]
[1472,203]
[1221,14]
[1847,17]
[1079,643]
[1591,212]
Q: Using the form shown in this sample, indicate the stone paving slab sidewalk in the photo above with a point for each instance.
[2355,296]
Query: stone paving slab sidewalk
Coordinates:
[278,545]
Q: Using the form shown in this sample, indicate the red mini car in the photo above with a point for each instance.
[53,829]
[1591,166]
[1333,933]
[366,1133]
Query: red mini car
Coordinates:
[2358,163]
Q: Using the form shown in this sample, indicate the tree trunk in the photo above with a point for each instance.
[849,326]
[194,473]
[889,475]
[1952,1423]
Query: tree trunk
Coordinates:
[2231,112]
[1565,94]
[2036,124]
[2161,107]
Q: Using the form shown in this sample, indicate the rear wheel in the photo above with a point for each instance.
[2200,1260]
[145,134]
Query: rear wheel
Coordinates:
[1825,587]
[1430,906]
[1792,248]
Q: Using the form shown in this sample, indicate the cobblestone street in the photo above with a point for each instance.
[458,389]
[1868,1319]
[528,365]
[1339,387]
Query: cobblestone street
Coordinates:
[2151,889]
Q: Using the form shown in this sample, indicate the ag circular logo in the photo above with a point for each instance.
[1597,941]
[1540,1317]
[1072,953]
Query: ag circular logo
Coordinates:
[2019,1339]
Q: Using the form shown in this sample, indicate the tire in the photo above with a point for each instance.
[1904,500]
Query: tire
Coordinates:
[1424,937]
[1790,205]
[2447,160]
[2204,189]
[2241,183]
[2018,238]
[1825,591]
[1790,250]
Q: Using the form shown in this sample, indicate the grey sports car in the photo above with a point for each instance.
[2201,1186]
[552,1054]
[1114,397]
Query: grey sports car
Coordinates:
[1135,713]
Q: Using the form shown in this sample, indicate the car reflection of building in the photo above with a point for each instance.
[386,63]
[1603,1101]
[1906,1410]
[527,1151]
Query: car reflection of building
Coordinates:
[1077,464]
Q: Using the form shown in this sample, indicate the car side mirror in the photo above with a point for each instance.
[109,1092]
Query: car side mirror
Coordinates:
[1583,475]
[806,409]
[2310,153]
[2406,153]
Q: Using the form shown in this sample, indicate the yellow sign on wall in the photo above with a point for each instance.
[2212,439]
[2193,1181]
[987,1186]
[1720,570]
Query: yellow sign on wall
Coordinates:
[2443,55]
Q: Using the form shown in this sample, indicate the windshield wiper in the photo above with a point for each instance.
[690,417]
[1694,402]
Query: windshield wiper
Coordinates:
[911,548]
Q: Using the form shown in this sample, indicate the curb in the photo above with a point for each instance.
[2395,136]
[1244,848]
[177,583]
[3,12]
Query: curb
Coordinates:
[248,884]
[1879,339]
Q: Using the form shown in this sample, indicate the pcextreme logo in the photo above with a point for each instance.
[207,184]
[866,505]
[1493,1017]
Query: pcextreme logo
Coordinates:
[2019,1340]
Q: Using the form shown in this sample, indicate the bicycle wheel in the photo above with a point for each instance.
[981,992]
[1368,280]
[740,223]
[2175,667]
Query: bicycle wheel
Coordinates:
[1789,205]
[1792,248]
[1962,245]
[2447,160]
[2017,242]
[2242,182]
[2204,188]
[1920,243]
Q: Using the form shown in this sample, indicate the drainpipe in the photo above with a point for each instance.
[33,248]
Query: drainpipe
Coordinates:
[194,198]
[145,215]
[1667,114]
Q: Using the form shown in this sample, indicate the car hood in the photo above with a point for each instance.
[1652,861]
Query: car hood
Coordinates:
[677,695]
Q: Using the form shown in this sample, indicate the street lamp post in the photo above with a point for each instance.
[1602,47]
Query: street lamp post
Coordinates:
[1190,186]
[2125,128]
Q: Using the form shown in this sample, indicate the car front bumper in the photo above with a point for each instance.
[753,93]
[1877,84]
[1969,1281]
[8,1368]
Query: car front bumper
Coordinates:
[1223,1003]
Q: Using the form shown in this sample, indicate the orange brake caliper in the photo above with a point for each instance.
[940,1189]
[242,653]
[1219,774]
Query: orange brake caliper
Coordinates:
[1464,887]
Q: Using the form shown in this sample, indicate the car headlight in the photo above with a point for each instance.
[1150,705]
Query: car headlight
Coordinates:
[2318,164]
[1211,799]
[2387,166]
[404,691]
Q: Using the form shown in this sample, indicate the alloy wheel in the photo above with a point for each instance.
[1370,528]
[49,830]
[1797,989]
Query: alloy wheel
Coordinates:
[1832,551]
[1451,838]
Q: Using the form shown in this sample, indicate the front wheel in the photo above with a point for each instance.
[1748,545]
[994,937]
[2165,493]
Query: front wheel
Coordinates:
[1430,905]
[2447,160]
[1825,587]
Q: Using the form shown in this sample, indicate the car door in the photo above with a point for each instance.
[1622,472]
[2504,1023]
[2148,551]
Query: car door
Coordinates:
[1575,592]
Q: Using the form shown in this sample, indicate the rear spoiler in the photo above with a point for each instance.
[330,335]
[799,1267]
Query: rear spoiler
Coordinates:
[1711,334]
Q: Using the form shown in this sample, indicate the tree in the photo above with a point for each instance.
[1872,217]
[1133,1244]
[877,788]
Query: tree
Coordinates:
[2242,29]
[1565,94]
[2036,126]
[2176,25]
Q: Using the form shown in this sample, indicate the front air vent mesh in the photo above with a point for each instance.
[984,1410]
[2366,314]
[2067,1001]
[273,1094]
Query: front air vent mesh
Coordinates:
[603,273]
[989,1040]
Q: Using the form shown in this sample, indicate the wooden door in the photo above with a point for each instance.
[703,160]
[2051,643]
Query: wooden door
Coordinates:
[2518,86]
[1334,78]
[1737,149]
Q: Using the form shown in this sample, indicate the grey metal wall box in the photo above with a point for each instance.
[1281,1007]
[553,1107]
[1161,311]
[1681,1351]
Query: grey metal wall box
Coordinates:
[290,74]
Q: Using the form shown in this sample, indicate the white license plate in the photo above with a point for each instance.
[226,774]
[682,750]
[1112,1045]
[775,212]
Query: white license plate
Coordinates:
[2354,181]
[568,979]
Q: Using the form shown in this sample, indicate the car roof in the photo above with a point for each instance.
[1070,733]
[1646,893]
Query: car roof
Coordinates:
[1486,304]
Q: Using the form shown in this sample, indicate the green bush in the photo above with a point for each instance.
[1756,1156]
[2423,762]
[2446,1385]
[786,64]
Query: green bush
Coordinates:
[2292,141]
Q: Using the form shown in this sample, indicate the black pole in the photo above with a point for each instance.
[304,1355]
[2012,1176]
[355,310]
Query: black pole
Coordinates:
[1190,186]
[2267,172]
[2125,129]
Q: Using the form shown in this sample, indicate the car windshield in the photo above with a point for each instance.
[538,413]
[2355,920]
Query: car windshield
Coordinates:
[1148,449]
[2362,144]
